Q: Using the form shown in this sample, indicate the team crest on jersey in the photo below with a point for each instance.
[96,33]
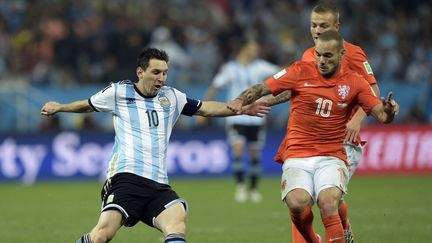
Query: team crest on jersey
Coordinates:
[343,91]
[164,101]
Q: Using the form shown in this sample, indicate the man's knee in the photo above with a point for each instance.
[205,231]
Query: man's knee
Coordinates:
[175,226]
[329,200]
[172,220]
[298,200]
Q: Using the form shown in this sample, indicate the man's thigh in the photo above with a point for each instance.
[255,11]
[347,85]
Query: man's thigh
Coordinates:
[297,173]
[171,216]
[138,199]
[332,172]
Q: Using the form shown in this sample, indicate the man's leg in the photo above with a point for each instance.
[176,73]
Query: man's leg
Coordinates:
[172,223]
[328,203]
[296,236]
[355,155]
[297,188]
[255,173]
[330,181]
[299,203]
[239,173]
[343,214]
[107,226]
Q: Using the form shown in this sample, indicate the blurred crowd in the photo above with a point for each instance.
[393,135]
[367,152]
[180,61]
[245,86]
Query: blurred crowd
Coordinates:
[70,42]
[92,41]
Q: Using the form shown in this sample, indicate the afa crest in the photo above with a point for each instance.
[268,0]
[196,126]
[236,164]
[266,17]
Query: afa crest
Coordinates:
[343,91]
[164,101]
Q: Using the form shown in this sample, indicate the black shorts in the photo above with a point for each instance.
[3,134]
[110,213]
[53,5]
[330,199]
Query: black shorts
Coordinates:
[249,134]
[137,198]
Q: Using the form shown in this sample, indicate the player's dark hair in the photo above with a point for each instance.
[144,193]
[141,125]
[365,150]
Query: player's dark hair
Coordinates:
[327,7]
[332,35]
[151,53]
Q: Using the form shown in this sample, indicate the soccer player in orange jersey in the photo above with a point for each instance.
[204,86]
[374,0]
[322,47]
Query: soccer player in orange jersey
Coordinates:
[315,169]
[324,17]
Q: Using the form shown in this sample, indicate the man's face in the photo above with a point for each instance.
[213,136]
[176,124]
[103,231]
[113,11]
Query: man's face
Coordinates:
[153,77]
[328,57]
[251,49]
[321,22]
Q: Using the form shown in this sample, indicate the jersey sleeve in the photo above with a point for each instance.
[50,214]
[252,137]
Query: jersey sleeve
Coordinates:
[104,100]
[223,77]
[360,64]
[191,106]
[283,80]
[366,97]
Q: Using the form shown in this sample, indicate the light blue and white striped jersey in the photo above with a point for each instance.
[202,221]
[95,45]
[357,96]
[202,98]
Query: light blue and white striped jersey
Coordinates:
[236,78]
[142,127]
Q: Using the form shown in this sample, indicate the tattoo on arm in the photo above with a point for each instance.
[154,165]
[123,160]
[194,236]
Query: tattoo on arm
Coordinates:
[280,98]
[253,93]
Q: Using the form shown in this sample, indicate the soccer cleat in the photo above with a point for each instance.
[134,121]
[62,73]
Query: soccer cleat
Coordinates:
[318,238]
[348,234]
[241,194]
[255,196]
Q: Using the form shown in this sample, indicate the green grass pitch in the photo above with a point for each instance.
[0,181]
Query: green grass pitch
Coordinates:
[381,209]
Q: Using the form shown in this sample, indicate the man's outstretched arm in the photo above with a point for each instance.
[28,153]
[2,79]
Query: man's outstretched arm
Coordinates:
[219,109]
[248,96]
[79,106]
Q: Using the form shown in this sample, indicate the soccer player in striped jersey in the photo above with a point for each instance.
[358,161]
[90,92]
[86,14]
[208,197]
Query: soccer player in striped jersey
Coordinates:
[144,114]
[315,163]
[244,132]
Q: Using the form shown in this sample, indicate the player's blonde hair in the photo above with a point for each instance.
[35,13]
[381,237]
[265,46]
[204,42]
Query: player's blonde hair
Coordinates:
[332,35]
[327,7]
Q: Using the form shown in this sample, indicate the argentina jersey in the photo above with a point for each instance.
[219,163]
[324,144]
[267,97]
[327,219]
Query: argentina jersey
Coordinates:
[142,127]
[237,78]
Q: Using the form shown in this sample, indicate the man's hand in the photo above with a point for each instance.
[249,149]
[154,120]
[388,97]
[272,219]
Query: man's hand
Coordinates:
[352,131]
[258,108]
[236,106]
[390,105]
[50,108]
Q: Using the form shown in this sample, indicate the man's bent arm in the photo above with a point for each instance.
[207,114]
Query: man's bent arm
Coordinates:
[383,115]
[253,93]
[271,100]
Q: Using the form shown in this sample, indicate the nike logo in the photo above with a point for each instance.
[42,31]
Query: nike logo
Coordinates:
[333,239]
[342,105]
[308,85]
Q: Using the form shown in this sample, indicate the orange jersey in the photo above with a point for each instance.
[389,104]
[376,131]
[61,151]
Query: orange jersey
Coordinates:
[354,59]
[320,109]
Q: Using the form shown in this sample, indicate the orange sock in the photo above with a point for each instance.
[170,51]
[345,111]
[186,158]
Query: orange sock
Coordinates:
[333,229]
[343,214]
[296,235]
[303,223]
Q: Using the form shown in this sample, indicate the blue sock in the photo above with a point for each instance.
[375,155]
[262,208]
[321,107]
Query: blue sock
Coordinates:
[175,238]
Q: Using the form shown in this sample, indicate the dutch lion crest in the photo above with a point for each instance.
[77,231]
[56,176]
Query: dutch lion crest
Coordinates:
[343,91]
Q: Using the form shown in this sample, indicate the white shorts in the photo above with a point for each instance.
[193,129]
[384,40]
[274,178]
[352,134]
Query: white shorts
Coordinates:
[313,174]
[354,154]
